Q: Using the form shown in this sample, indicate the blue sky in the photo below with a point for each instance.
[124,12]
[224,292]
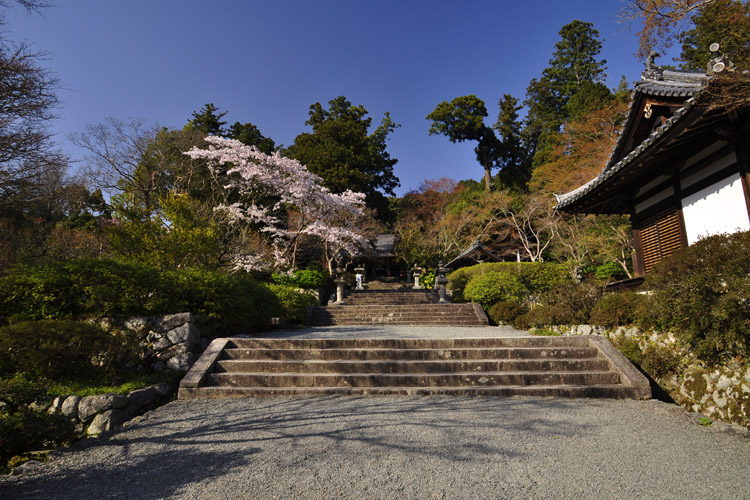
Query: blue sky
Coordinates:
[267,62]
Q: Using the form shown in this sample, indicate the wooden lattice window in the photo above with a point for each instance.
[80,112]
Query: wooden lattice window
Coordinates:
[661,236]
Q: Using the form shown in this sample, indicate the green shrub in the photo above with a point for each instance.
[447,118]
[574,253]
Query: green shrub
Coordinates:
[659,361]
[303,278]
[609,271]
[615,309]
[77,288]
[506,311]
[86,288]
[22,428]
[486,289]
[61,349]
[294,304]
[702,293]
[568,303]
[20,391]
[227,304]
[629,348]
[535,276]
[28,429]
[427,280]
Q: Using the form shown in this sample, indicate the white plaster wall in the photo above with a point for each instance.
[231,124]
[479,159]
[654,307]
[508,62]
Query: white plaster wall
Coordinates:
[719,208]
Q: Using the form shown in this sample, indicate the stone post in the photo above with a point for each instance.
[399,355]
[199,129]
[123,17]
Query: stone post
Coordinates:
[441,281]
[339,286]
[416,271]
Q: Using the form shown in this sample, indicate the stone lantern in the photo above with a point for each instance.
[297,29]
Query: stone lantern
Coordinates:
[441,281]
[416,272]
[360,275]
[339,285]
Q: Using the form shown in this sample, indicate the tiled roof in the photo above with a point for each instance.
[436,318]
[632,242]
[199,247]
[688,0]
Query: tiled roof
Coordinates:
[654,82]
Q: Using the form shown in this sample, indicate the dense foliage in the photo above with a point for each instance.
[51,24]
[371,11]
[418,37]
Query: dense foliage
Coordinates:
[84,288]
[55,349]
[702,293]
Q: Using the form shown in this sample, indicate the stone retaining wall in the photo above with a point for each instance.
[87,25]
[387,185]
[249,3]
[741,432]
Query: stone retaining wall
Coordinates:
[93,415]
[171,342]
[721,393]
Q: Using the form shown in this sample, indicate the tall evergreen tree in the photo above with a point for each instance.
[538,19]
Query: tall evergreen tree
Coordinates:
[574,68]
[462,119]
[342,150]
[208,120]
[513,159]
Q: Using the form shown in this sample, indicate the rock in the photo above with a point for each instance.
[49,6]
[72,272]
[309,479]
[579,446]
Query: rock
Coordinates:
[723,382]
[26,467]
[584,330]
[69,407]
[185,334]
[160,366]
[91,405]
[139,399]
[158,341]
[182,361]
[170,321]
[135,324]
[3,407]
[720,399]
[107,421]
[163,390]
[56,404]
[631,332]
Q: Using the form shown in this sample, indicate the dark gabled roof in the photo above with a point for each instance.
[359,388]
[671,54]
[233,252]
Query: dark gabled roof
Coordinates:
[682,87]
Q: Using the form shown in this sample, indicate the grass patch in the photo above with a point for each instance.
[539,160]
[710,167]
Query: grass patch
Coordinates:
[130,383]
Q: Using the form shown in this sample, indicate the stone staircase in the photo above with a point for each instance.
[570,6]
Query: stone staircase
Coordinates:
[532,366]
[396,307]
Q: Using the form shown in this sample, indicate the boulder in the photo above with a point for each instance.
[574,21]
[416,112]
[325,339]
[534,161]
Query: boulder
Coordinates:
[163,390]
[170,321]
[69,407]
[91,405]
[139,399]
[107,421]
[187,333]
[56,404]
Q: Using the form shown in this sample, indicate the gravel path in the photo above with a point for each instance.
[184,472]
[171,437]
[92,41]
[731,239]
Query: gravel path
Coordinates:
[401,447]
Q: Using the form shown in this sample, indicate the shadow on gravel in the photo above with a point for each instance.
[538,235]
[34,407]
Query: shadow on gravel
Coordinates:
[154,476]
[192,442]
[377,422]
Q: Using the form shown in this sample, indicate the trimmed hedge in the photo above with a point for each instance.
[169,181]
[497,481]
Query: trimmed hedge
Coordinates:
[535,276]
[488,288]
[88,288]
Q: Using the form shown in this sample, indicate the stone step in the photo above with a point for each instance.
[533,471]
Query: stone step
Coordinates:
[410,343]
[448,314]
[617,391]
[406,366]
[542,366]
[459,379]
[411,354]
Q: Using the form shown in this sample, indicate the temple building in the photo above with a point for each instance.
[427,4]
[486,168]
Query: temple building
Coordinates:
[680,167]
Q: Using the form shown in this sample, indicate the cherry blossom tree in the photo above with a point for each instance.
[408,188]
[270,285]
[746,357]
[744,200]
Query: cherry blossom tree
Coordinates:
[282,201]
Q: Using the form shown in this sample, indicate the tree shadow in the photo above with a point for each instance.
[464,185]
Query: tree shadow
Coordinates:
[195,441]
